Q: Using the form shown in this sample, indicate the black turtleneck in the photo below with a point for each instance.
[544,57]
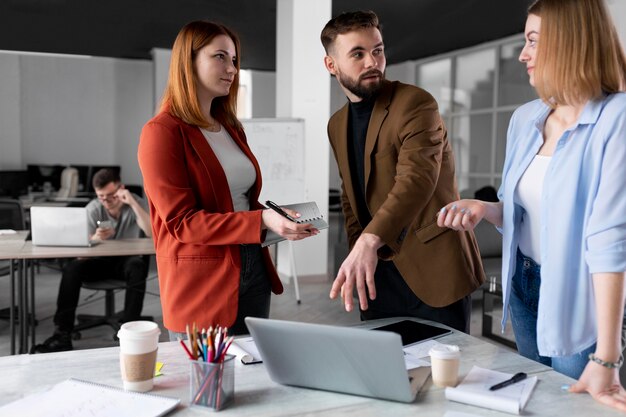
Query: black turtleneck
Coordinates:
[358,121]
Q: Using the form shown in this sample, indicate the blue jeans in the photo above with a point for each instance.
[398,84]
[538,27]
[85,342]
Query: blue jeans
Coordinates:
[523,305]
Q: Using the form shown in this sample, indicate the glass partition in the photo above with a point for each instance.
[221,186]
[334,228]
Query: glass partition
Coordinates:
[435,77]
[474,80]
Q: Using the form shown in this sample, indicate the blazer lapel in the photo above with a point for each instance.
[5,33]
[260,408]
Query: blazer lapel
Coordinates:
[379,113]
[341,146]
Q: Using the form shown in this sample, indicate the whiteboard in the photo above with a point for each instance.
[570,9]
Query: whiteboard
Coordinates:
[278,145]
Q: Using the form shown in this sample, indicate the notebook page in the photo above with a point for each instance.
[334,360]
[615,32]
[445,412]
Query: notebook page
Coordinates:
[245,349]
[76,398]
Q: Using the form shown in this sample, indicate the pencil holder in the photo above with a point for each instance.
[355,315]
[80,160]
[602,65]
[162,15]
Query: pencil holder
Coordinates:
[212,384]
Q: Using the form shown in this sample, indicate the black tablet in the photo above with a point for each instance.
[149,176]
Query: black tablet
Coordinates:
[413,331]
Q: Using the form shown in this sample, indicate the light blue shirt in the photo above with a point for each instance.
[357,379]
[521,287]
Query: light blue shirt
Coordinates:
[583,216]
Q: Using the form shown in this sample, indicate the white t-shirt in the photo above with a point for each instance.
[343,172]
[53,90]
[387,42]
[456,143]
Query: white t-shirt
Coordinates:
[239,171]
[528,195]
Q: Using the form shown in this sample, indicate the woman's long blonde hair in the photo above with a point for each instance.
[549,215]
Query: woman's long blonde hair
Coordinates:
[579,55]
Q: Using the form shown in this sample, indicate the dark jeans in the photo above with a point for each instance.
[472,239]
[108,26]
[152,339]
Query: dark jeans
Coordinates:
[131,269]
[394,298]
[524,305]
[254,288]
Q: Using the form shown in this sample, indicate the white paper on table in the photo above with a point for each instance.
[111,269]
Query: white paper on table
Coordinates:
[411,362]
[77,398]
[245,349]
[7,232]
[474,390]
[420,350]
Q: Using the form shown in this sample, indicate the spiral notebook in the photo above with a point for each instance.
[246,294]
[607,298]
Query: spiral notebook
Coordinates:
[309,213]
[75,397]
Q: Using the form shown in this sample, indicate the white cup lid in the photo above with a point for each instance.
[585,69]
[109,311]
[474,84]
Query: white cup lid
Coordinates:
[138,330]
[442,351]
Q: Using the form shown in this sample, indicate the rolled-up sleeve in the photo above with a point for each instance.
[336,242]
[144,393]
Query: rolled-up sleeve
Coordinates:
[606,229]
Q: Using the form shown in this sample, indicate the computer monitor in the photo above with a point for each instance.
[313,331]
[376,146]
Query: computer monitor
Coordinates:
[38,175]
[83,177]
[13,183]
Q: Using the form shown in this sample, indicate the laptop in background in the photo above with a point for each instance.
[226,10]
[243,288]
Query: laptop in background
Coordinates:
[339,359]
[59,226]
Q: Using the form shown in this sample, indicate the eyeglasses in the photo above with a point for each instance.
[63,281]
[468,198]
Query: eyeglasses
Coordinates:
[109,197]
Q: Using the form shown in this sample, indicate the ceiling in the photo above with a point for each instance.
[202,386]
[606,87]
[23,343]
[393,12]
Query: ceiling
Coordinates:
[412,29]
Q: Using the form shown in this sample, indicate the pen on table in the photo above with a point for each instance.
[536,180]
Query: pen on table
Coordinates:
[520,376]
[280,211]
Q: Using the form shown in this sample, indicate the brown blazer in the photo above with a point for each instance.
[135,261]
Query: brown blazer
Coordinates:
[409,176]
[196,233]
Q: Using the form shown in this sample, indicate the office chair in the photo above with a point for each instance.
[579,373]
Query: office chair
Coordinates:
[69,183]
[110,318]
[11,214]
[11,217]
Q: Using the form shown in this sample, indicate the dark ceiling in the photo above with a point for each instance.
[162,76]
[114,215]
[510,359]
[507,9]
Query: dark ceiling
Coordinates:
[130,28]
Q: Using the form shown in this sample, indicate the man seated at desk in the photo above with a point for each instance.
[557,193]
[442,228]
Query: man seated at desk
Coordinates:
[127,216]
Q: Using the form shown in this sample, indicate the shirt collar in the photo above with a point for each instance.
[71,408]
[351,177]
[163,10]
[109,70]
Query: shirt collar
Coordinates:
[590,114]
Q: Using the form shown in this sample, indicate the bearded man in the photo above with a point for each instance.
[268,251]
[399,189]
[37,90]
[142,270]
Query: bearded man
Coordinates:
[397,170]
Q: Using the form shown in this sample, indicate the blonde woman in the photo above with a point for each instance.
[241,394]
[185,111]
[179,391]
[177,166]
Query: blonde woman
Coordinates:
[562,208]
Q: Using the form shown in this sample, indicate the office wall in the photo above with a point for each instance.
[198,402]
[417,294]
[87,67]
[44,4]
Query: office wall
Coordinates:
[134,94]
[74,110]
[618,12]
[10,147]
[160,68]
[263,94]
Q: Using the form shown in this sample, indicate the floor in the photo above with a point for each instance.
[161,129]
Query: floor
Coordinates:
[315,307]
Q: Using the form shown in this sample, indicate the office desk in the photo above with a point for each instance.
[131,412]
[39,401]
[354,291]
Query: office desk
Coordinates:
[257,395]
[27,253]
[10,248]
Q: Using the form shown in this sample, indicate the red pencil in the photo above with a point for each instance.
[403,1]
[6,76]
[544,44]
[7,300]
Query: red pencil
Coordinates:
[186,348]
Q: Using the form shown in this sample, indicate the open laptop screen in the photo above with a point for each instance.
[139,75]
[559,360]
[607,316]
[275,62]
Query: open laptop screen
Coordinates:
[332,358]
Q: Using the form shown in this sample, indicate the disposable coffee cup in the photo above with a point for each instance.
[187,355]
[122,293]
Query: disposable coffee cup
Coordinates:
[444,362]
[138,350]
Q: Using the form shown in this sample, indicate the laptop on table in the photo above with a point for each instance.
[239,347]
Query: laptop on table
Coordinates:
[339,359]
[59,226]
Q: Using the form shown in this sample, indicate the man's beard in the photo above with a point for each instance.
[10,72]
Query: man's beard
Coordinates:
[360,90]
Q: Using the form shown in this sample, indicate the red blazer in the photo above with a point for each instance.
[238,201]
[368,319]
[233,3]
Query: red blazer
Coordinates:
[195,231]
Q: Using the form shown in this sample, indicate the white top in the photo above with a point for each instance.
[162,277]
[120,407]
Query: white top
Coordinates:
[239,171]
[528,195]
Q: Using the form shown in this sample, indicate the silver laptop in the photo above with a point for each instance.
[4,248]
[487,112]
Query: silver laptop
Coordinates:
[59,226]
[340,359]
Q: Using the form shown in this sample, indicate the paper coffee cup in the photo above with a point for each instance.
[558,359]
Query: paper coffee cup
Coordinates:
[138,350]
[444,362]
